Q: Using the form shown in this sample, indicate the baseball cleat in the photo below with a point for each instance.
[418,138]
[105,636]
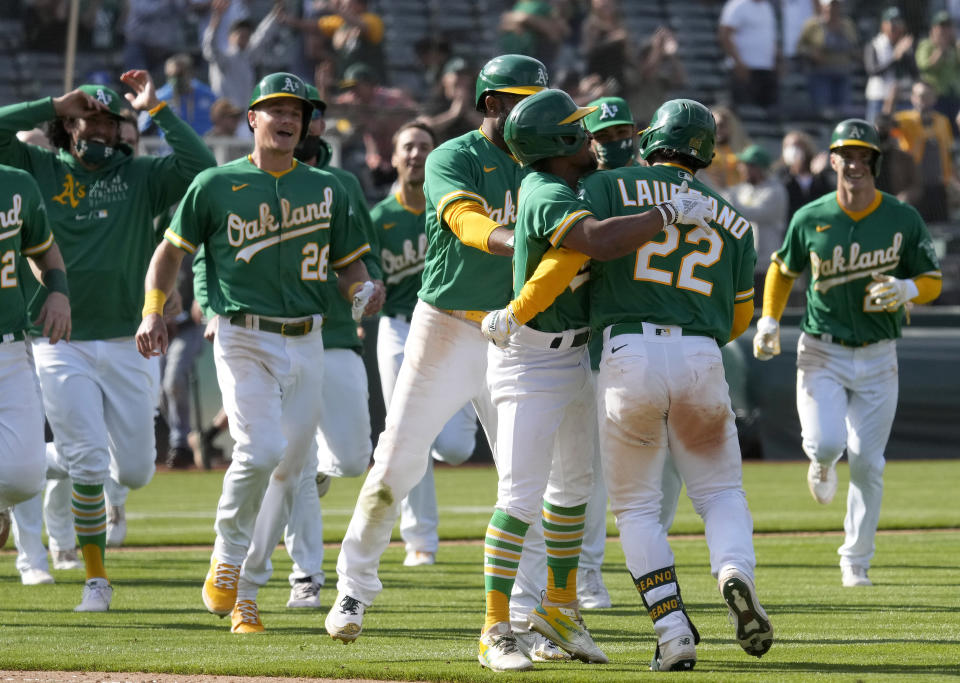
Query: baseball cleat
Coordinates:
[419,558]
[245,618]
[591,593]
[66,559]
[822,480]
[116,525]
[854,575]
[97,594]
[304,593]
[4,526]
[676,654]
[35,577]
[564,626]
[345,619]
[323,484]
[498,650]
[220,587]
[539,648]
[754,630]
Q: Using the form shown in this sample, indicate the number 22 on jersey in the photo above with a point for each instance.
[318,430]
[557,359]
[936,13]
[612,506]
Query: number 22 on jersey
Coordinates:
[685,278]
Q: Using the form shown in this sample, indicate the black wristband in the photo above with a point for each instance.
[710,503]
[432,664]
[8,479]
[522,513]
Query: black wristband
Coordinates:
[55,280]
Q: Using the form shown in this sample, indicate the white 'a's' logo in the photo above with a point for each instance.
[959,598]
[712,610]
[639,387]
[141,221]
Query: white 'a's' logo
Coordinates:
[608,111]
[103,97]
[288,85]
[542,77]
[855,132]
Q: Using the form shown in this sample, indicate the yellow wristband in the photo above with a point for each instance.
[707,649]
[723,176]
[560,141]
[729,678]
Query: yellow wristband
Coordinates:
[152,112]
[153,302]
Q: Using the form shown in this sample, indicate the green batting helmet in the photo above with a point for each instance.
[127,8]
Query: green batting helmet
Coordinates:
[282,84]
[516,74]
[685,126]
[858,133]
[546,124]
[314,96]
[107,97]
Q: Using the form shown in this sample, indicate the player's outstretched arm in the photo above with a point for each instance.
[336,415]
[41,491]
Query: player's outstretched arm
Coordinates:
[55,313]
[161,277]
[776,291]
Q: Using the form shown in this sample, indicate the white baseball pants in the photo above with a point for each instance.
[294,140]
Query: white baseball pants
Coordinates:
[663,395]
[22,465]
[847,398]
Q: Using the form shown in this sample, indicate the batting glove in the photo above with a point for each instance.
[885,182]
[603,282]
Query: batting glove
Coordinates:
[766,343]
[499,326]
[687,208]
[890,293]
[360,300]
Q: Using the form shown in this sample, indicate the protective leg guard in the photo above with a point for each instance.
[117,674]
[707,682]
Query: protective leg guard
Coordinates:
[680,654]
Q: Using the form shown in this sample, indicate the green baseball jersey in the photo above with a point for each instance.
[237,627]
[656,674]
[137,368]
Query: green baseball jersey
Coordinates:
[103,219]
[339,328]
[23,231]
[688,275]
[269,239]
[843,249]
[455,276]
[401,241]
[546,211]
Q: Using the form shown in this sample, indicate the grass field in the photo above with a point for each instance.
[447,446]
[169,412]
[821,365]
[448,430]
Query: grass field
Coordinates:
[425,624]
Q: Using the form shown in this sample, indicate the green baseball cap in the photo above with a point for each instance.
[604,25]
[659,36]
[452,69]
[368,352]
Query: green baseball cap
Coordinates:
[107,97]
[610,111]
[941,17]
[891,14]
[755,155]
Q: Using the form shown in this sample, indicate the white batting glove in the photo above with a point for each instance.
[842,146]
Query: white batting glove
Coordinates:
[360,300]
[687,208]
[766,342]
[890,293]
[499,326]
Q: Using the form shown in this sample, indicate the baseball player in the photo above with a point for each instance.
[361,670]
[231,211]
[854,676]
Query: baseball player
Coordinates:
[401,242]
[99,394]
[869,254]
[470,189]
[271,229]
[541,382]
[24,231]
[342,446]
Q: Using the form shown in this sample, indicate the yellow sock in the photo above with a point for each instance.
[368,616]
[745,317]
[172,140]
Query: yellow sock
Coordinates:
[498,609]
[93,560]
[561,596]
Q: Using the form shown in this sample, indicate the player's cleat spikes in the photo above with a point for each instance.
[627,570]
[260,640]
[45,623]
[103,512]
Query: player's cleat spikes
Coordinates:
[498,650]
[35,577]
[305,593]
[754,630]
[220,587]
[345,619]
[563,625]
[854,575]
[591,593]
[676,654]
[245,618]
[538,648]
[116,525]
[822,480]
[66,559]
[97,594]
[419,558]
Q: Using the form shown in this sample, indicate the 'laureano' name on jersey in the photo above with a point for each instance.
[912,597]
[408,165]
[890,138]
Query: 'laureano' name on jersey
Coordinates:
[240,231]
[854,266]
[652,192]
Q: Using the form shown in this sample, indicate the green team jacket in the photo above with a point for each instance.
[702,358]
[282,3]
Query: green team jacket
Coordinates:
[102,220]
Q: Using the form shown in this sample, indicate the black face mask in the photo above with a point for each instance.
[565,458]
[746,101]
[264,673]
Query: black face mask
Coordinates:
[93,152]
[314,147]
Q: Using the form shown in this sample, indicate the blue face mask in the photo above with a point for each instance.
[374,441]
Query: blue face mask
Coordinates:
[93,152]
[617,153]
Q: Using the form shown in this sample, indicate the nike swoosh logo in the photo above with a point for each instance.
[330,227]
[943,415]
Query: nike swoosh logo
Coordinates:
[821,228]
[238,187]
[614,349]
[387,226]
[487,169]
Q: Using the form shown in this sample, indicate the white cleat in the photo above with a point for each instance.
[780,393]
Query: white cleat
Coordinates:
[539,648]
[419,558]
[854,575]
[498,650]
[345,619]
[35,577]
[66,559]
[564,626]
[822,480]
[323,484]
[97,594]
[591,593]
[116,525]
[676,654]
[305,593]
[754,630]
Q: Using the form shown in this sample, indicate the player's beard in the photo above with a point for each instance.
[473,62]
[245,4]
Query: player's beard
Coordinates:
[501,123]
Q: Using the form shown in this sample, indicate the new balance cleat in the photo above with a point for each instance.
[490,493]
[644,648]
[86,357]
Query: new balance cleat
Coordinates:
[538,648]
[245,618]
[564,626]
[345,619]
[498,650]
[676,654]
[220,587]
[419,558]
[591,593]
[822,481]
[97,594]
[304,593]
[754,630]
[854,575]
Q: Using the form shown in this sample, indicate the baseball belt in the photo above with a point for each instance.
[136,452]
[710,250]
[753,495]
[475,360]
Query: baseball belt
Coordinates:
[287,328]
[830,339]
[469,316]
